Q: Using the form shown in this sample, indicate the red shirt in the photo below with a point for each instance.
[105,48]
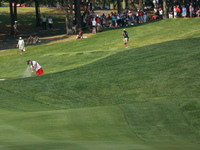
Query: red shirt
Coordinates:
[154,17]
[178,10]
[140,13]
[89,19]
[98,20]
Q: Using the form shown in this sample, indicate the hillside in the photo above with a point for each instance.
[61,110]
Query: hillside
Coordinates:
[95,94]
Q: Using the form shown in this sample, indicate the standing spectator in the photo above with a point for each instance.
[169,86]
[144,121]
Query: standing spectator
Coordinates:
[84,22]
[145,15]
[191,9]
[90,22]
[118,20]
[198,15]
[44,22]
[175,12]
[184,12]
[160,13]
[140,14]
[21,45]
[113,20]
[134,14]
[125,35]
[98,23]
[15,28]
[109,21]
[170,13]
[132,3]
[50,21]
[94,24]
[178,11]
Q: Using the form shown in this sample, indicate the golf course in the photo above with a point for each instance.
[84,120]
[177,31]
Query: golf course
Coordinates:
[95,94]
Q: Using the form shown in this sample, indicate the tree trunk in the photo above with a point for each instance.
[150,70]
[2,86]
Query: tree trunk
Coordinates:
[37,13]
[165,9]
[15,10]
[140,3]
[104,4]
[11,19]
[94,2]
[60,4]
[69,19]
[119,6]
[126,4]
[78,12]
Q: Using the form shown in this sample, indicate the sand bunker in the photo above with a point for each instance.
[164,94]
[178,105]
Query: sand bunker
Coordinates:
[2,79]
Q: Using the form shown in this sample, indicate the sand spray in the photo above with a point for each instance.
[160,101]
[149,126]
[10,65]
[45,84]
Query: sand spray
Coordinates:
[27,72]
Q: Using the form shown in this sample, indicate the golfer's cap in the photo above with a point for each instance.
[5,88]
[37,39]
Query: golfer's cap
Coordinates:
[20,38]
[124,29]
[15,21]
[145,7]
[28,61]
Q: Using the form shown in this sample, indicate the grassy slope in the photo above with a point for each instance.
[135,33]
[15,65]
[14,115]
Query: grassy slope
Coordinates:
[155,84]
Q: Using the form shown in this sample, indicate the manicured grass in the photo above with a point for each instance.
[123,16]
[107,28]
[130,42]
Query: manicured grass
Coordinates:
[95,94]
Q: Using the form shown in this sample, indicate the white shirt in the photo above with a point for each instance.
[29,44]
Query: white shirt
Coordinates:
[160,12]
[50,20]
[44,19]
[94,23]
[21,43]
[37,66]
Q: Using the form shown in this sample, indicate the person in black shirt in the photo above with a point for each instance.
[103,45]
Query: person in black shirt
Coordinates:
[125,35]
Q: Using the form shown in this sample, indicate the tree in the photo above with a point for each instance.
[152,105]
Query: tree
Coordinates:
[78,12]
[68,17]
[126,4]
[165,8]
[119,6]
[60,4]
[37,12]
[140,3]
[15,10]
[11,18]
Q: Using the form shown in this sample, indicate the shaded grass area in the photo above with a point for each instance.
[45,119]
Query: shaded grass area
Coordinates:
[160,121]
[27,18]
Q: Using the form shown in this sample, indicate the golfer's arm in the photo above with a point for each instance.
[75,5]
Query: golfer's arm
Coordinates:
[35,66]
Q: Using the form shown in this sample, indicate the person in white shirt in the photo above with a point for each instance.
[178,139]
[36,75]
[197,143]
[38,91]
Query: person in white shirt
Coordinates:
[35,67]
[94,24]
[50,22]
[160,13]
[44,20]
[21,45]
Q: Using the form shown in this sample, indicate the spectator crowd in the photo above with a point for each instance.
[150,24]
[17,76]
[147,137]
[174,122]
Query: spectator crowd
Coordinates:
[98,22]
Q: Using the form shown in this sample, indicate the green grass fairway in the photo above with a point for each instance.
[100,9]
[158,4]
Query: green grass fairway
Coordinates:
[96,94]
